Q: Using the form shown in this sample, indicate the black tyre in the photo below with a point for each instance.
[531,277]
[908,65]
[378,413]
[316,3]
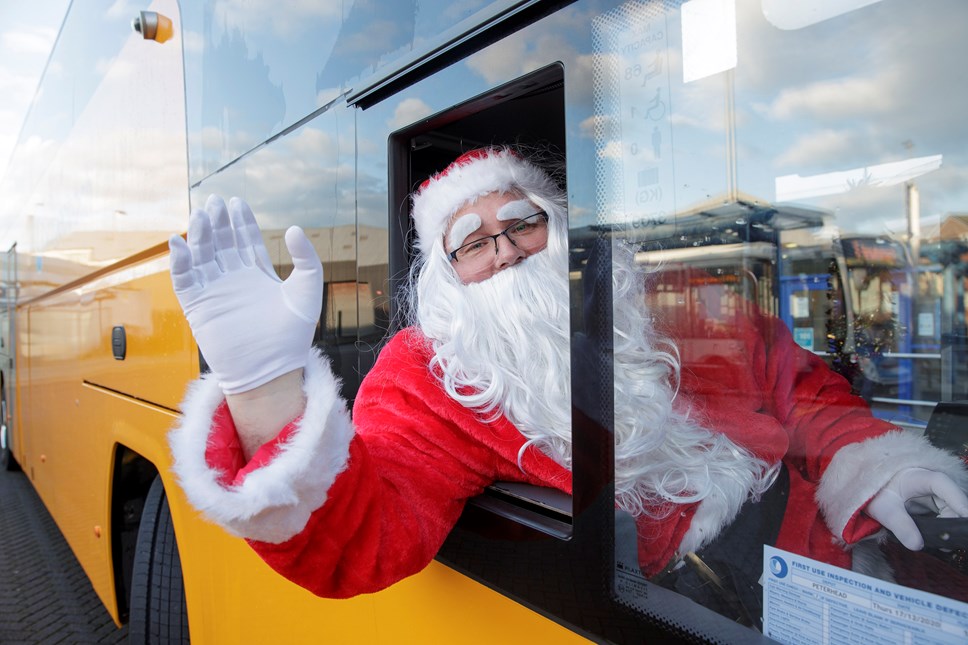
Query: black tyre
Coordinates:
[7,462]
[158,614]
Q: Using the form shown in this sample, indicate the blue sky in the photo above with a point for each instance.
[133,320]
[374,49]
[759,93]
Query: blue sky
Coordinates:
[27,33]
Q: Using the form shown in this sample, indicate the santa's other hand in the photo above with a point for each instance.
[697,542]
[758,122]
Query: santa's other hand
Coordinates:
[250,326]
[915,487]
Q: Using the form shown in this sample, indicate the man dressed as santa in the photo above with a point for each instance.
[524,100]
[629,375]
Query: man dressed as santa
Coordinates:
[476,390]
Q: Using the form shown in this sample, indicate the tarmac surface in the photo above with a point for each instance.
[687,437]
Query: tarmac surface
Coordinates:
[45,597]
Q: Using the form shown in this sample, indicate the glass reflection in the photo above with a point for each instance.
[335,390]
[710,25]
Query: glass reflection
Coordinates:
[817,181]
[99,170]
[308,179]
[254,70]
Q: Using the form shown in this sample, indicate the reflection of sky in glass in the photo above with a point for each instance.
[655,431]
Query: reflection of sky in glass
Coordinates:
[99,172]
[260,69]
[77,66]
[878,85]
[882,84]
[873,86]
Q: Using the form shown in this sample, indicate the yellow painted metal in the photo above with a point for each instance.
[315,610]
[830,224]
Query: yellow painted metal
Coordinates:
[234,597]
[77,402]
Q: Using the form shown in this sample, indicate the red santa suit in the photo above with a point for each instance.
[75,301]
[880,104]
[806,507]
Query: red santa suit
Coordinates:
[344,507]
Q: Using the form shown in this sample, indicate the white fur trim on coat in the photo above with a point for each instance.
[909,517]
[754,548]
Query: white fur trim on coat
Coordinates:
[274,502]
[714,512]
[858,471]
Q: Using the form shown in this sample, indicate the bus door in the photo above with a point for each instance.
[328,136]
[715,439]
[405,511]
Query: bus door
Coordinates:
[803,305]
[8,310]
[880,281]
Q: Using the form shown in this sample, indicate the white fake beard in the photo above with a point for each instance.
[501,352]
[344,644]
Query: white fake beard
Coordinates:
[506,351]
[501,346]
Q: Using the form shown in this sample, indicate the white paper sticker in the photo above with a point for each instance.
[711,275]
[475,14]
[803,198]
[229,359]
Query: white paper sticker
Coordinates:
[809,602]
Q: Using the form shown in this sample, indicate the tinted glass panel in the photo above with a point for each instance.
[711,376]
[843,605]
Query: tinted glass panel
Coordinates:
[77,199]
[261,70]
[791,183]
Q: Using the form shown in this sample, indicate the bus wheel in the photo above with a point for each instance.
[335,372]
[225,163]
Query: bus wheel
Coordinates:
[158,613]
[7,462]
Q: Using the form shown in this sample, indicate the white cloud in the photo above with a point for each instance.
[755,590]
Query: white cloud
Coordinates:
[834,99]
[407,112]
[828,144]
[263,15]
[193,42]
[36,41]
[611,150]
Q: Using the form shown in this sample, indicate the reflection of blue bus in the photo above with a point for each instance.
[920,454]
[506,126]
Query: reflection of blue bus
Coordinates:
[882,326]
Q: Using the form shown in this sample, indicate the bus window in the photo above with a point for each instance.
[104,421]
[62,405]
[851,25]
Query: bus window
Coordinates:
[782,238]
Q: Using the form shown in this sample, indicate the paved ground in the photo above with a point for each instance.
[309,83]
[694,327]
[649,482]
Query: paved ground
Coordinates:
[45,598]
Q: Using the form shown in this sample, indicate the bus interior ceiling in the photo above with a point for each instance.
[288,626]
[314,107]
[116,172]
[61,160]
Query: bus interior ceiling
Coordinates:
[528,115]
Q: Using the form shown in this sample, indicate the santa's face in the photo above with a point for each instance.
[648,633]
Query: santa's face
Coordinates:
[495,232]
[500,338]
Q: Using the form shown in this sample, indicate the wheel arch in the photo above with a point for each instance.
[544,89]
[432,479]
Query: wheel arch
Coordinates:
[132,477]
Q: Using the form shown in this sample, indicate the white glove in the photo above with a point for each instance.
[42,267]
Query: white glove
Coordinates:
[913,487]
[250,326]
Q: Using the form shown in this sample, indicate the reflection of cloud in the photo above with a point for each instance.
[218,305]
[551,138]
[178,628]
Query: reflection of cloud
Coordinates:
[193,42]
[797,15]
[246,15]
[834,99]
[500,63]
[280,180]
[611,150]
[821,146]
[327,95]
[123,9]
[530,49]
[408,111]
[453,12]
[29,41]
[594,124]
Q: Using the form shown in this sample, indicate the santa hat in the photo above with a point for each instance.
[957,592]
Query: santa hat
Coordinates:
[469,177]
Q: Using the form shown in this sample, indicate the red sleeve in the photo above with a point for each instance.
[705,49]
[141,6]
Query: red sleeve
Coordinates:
[416,458]
[747,378]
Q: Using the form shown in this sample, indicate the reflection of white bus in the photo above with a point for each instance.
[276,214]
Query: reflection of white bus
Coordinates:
[327,115]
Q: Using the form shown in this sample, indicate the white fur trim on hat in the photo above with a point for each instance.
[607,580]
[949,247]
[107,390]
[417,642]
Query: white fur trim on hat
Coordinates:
[858,471]
[471,176]
[274,502]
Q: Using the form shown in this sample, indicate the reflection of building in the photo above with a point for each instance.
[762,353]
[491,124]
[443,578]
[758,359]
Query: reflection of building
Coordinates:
[954,227]
[356,304]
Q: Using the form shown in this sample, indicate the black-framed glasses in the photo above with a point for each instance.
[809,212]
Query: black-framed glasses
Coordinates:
[528,234]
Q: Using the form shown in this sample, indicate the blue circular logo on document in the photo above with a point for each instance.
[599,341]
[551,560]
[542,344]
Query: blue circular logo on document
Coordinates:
[778,567]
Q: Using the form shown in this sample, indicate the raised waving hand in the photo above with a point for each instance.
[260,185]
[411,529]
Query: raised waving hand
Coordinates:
[250,326]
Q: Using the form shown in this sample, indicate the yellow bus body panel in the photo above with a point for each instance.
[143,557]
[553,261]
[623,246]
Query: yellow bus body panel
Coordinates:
[77,402]
[233,597]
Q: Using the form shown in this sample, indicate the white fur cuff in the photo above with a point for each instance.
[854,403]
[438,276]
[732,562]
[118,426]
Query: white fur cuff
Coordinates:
[274,502]
[858,471]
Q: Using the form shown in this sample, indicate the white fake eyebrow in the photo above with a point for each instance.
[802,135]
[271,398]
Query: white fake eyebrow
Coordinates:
[463,226]
[518,209]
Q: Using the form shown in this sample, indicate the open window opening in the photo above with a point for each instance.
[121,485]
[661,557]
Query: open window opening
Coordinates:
[527,113]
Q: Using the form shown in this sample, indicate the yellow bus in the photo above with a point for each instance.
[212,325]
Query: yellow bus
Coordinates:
[327,115]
